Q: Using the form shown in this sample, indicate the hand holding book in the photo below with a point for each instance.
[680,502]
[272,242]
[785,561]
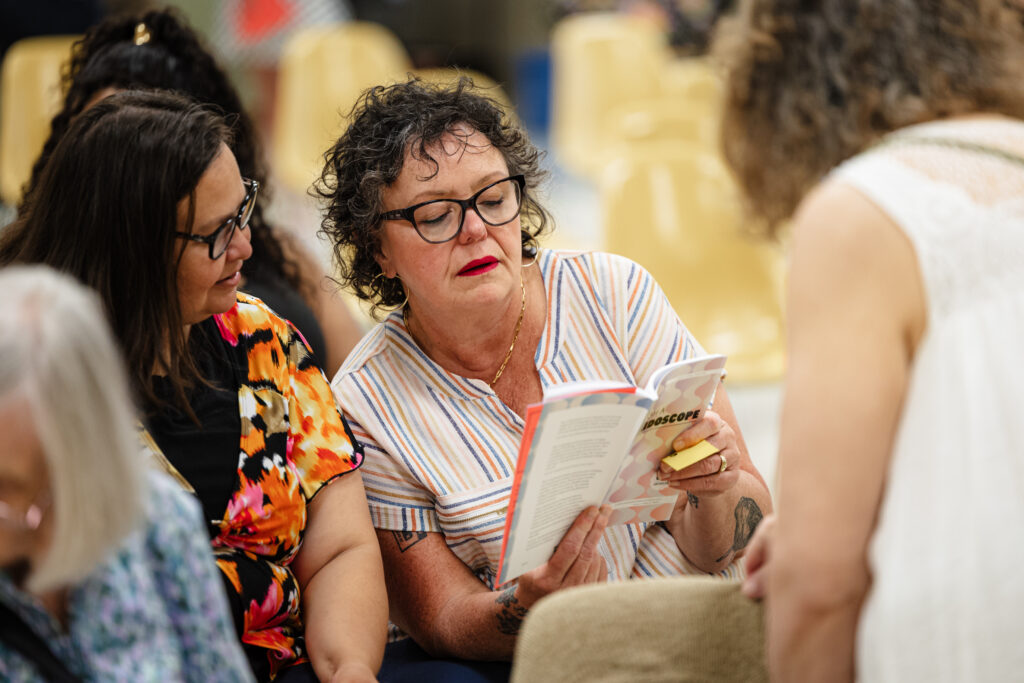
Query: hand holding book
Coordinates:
[601,443]
[575,561]
[715,472]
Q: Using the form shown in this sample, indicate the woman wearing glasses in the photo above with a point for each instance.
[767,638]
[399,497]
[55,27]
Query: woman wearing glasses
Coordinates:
[432,213]
[157,49]
[235,407]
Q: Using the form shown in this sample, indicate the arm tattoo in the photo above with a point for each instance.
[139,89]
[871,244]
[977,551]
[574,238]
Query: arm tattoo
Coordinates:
[407,539]
[692,500]
[748,515]
[511,614]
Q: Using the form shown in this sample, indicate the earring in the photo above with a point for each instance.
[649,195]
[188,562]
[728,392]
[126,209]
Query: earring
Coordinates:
[379,291]
[530,250]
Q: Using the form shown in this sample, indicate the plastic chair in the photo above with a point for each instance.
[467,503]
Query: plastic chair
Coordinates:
[658,119]
[695,88]
[482,83]
[323,70]
[691,629]
[30,96]
[599,61]
[691,77]
[673,208]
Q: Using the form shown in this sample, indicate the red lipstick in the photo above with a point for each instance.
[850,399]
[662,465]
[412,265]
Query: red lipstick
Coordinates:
[479,266]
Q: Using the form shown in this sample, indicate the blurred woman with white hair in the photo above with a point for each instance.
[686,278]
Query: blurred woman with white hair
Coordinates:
[105,571]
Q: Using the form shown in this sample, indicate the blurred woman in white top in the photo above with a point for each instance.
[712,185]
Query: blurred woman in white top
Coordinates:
[891,132]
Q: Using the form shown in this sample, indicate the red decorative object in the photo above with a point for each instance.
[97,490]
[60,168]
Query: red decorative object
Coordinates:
[258,19]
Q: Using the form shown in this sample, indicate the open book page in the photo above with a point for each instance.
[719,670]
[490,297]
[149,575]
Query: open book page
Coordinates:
[572,448]
[684,392]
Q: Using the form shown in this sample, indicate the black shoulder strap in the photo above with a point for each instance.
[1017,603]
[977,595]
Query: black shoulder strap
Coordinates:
[17,635]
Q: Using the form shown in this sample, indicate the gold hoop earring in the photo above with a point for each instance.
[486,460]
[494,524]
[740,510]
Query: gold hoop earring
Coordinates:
[531,250]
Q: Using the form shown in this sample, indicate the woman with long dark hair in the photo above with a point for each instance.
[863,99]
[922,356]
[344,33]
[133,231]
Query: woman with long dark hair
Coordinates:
[143,201]
[159,50]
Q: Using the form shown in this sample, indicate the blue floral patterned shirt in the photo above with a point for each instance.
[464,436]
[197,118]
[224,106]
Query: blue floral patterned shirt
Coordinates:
[155,610]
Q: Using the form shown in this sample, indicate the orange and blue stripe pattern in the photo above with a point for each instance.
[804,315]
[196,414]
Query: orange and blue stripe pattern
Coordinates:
[440,449]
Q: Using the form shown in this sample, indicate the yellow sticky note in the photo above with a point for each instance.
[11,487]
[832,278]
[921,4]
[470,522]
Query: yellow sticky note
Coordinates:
[686,457]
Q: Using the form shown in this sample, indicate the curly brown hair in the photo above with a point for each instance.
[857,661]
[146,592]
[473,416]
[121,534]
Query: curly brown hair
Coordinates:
[811,84]
[387,123]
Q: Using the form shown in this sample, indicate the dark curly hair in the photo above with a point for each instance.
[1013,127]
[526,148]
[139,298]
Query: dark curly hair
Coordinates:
[811,84]
[387,123]
[172,59]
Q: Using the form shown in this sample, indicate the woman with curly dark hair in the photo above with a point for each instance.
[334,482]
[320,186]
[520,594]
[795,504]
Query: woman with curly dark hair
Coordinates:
[891,132]
[158,49]
[433,211]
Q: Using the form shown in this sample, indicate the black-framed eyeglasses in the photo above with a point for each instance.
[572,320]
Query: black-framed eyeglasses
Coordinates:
[219,239]
[440,220]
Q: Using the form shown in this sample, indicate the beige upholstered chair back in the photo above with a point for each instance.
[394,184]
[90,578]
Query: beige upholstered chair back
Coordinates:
[684,629]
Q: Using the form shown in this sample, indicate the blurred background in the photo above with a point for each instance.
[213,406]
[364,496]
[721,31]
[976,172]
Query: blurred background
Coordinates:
[621,94]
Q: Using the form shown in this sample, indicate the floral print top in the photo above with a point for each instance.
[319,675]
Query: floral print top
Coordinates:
[153,611]
[293,442]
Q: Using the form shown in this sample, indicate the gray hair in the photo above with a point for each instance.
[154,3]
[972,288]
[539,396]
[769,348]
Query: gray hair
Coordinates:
[57,351]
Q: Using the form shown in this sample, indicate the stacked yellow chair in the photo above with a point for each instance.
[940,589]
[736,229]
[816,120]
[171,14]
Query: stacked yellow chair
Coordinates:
[656,120]
[30,96]
[599,61]
[323,71]
[321,74]
[642,125]
[673,208]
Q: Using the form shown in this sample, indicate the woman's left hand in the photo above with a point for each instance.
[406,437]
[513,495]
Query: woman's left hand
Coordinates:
[714,474]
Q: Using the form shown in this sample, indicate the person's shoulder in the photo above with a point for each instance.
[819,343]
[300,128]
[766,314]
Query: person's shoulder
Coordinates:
[370,351]
[841,209]
[601,263]
[168,504]
[604,271]
[250,316]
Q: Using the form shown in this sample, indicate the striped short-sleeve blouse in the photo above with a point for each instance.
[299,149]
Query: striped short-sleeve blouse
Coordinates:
[440,449]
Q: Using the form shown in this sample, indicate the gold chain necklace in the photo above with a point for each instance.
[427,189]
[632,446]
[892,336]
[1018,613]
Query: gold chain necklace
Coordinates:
[515,336]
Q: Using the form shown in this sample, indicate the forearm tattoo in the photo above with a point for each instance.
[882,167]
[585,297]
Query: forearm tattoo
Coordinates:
[692,500]
[407,539]
[511,614]
[748,515]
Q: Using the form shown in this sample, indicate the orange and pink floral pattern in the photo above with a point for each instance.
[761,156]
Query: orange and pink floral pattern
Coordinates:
[293,442]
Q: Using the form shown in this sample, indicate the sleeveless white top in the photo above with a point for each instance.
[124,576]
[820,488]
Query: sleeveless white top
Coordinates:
[947,557]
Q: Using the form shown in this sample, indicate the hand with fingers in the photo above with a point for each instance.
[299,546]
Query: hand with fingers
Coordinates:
[576,560]
[714,474]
